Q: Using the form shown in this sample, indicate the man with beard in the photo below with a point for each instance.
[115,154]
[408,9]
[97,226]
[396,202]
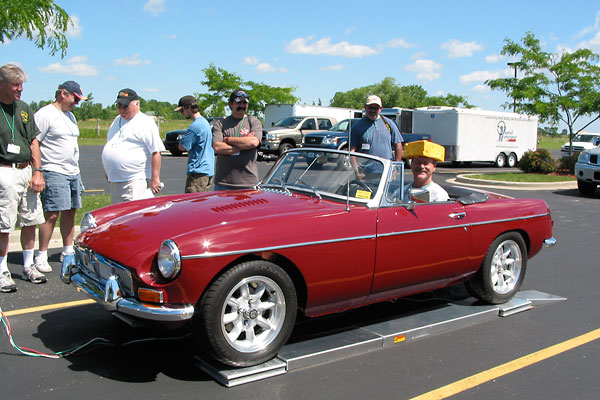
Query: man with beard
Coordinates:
[235,141]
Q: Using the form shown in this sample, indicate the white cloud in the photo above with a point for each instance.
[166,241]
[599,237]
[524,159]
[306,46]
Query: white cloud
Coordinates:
[418,55]
[335,67]
[398,42]
[172,37]
[73,66]
[592,44]
[494,58]
[154,7]
[264,67]
[427,70]
[349,31]
[325,47]
[251,60]
[482,76]
[458,49]
[5,43]
[151,90]
[132,61]
[74,27]
[481,89]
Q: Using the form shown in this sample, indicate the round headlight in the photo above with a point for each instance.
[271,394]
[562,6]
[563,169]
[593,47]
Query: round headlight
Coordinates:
[87,221]
[584,157]
[169,259]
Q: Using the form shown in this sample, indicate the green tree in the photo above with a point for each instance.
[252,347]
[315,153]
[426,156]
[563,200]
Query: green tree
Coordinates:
[556,87]
[41,21]
[393,95]
[221,83]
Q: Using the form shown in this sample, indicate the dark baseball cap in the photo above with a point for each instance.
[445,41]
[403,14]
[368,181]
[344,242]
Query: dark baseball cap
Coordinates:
[73,87]
[185,101]
[126,96]
[239,95]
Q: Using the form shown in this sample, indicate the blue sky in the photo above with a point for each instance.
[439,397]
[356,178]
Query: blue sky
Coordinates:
[159,47]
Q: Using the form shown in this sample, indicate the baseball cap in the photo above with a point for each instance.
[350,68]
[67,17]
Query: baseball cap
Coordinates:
[372,99]
[239,95]
[184,102]
[126,96]
[74,88]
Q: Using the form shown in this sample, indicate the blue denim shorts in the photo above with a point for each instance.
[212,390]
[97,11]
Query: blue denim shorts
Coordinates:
[62,192]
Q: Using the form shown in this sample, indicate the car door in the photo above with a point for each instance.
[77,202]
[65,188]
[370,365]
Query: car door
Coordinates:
[308,126]
[416,247]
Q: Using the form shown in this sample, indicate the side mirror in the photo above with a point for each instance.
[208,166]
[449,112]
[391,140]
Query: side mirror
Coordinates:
[596,141]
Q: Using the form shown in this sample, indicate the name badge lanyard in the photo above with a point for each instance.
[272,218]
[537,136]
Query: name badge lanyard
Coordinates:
[237,133]
[12,128]
[370,133]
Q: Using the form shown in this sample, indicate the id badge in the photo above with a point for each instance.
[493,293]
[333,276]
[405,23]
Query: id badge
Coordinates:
[13,148]
[366,146]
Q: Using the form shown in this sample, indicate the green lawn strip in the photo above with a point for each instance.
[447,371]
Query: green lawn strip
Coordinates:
[522,177]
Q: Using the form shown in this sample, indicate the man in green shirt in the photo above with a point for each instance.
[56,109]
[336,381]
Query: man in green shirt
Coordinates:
[21,178]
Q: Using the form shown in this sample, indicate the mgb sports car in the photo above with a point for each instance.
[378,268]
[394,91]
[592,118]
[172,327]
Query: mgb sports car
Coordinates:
[240,266]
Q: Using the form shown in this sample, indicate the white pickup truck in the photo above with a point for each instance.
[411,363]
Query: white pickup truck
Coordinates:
[587,169]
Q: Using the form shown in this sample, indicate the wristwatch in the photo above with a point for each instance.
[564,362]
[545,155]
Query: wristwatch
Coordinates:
[37,169]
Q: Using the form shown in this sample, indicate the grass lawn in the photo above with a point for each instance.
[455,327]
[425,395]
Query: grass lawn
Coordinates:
[522,177]
[93,132]
[551,142]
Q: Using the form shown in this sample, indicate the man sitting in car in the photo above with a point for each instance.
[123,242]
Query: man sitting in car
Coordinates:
[424,156]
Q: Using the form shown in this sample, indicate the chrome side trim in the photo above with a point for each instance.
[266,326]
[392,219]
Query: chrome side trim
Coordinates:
[289,246]
[284,246]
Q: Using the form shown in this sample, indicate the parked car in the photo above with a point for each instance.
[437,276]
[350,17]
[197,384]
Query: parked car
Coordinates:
[587,169]
[171,141]
[241,264]
[581,142]
[288,133]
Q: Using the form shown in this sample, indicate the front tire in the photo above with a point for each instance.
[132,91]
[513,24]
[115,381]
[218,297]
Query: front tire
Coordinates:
[586,188]
[247,314]
[502,271]
[283,147]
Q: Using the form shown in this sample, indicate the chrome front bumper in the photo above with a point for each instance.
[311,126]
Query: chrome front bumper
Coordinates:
[110,294]
[550,242]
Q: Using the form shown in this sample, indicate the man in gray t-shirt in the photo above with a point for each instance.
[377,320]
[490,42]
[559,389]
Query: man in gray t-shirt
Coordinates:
[235,141]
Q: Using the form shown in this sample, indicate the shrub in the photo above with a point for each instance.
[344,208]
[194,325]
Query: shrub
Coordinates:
[540,161]
[567,162]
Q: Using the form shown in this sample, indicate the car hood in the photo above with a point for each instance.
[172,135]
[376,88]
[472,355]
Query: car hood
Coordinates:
[279,130]
[211,223]
[327,133]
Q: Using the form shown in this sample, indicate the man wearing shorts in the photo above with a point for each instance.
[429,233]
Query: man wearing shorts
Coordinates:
[21,177]
[60,165]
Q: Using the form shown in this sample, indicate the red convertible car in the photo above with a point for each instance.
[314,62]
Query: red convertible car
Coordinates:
[310,238]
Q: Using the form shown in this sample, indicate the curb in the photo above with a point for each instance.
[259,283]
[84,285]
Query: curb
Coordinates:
[465,179]
[14,243]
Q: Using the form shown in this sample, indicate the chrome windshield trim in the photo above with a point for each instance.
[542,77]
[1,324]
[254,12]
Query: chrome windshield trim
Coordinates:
[283,246]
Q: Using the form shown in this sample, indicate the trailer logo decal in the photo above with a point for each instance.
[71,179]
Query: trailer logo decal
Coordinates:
[504,135]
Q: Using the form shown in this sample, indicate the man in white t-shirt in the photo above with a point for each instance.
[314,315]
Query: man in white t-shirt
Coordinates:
[131,156]
[60,166]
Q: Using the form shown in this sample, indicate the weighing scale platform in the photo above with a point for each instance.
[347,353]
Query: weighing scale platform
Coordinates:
[453,315]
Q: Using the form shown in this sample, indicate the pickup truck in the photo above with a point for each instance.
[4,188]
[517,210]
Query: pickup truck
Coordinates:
[288,133]
[337,137]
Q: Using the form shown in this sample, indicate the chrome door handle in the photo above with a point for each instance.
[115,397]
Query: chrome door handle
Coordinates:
[459,215]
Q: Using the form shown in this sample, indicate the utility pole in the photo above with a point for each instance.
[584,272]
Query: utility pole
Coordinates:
[514,65]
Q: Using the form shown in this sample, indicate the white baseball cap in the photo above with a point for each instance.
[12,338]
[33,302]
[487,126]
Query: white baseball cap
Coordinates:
[372,99]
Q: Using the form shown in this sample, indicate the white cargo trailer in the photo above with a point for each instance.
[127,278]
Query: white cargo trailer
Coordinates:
[478,135]
[275,112]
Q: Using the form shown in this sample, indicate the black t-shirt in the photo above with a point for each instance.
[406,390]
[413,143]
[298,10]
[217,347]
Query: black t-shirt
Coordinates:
[21,134]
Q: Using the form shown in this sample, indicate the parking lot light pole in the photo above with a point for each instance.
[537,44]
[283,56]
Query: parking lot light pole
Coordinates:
[514,65]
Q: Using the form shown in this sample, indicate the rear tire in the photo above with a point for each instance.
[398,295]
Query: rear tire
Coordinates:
[246,315]
[511,160]
[502,271]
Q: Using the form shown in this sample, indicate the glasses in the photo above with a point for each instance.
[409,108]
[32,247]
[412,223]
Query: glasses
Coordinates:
[123,106]
[239,100]
[373,108]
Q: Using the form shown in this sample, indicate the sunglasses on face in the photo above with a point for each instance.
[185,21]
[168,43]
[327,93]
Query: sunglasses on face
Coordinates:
[123,106]
[374,108]
[240,100]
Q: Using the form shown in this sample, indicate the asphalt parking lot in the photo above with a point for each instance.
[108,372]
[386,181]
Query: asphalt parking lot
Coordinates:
[536,354]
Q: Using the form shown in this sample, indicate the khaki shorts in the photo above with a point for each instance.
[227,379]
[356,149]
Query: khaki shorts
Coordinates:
[136,189]
[19,205]
[197,183]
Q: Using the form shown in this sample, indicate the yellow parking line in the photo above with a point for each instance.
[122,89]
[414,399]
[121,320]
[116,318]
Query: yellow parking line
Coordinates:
[93,190]
[512,366]
[48,307]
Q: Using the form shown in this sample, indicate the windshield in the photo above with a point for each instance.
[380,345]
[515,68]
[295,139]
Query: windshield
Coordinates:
[342,126]
[289,122]
[327,173]
[585,138]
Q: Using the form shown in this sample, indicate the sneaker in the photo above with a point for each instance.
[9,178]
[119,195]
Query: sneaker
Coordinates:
[42,265]
[33,275]
[7,284]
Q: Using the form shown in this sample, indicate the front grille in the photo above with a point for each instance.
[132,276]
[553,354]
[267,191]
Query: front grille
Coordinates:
[314,141]
[594,159]
[99,269]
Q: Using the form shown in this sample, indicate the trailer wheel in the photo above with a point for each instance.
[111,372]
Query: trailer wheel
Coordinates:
[511,161]
[500,160]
